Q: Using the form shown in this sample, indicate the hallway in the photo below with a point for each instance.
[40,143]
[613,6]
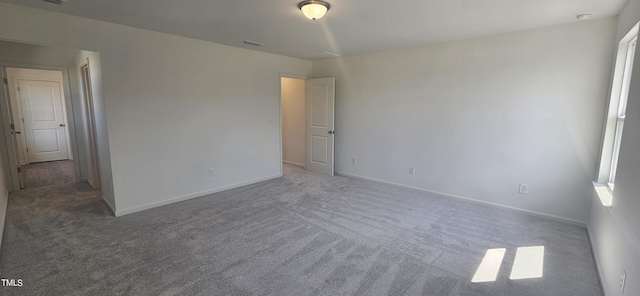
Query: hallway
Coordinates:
[48,173]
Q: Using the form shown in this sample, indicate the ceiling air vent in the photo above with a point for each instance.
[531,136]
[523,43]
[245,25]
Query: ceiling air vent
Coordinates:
[254,43]
[55,1]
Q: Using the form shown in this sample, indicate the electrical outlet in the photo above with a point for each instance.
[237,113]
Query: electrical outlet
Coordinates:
[211,173]
[412,170]
[354,161]
[623,280]
[523,189]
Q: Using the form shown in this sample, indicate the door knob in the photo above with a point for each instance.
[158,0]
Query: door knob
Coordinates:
[62,124]
[331,132]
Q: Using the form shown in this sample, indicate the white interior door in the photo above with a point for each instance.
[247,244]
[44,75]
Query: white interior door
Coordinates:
[44,124]
[320,132]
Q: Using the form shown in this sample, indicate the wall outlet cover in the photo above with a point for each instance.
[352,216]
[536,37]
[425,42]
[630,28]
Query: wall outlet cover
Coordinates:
[523,189]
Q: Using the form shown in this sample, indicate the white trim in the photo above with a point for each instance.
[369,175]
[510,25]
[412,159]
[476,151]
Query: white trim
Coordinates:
[604,193]
[3,214]
[119,213]
[86,179]
[10,158]
[294,163]
[109,205]
[534,213]
[610,123]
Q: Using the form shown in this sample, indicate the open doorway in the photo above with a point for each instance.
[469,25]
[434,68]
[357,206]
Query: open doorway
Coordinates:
[307,117]
[294,121]
[37,101]
[80,113]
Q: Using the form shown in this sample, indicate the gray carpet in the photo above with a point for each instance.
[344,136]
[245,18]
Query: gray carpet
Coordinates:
[48,173]
[303,234]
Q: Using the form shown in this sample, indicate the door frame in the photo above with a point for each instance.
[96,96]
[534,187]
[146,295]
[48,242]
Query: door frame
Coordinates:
[293,76]
[7,118]
[11,158]
[18,109]
[90,121]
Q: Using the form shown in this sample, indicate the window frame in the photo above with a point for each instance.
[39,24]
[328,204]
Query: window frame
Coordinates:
[614,121]
[622,108]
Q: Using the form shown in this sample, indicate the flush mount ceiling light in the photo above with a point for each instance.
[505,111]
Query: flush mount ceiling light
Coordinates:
[314,9]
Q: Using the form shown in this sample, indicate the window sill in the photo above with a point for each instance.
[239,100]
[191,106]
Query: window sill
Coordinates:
[604,193]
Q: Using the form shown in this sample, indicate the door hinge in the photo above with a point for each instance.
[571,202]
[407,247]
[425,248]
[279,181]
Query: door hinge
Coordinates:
[19,170]
[27,149]
[6,81]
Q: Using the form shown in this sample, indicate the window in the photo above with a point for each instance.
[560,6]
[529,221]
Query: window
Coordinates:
[622,106]
[615,117]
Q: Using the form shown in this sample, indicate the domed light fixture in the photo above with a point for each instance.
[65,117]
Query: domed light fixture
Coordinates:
[314,9]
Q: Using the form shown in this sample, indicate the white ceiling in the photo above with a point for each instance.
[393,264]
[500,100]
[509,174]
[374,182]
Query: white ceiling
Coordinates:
[350,27]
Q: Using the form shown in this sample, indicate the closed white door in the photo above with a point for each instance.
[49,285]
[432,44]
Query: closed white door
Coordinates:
[320,132]
[44,122]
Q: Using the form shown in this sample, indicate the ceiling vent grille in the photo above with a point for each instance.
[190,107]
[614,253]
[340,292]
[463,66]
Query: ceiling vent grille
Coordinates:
[55,1]
[254,43]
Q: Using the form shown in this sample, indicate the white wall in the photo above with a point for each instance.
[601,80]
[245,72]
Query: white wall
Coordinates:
[174,106]
[614,231]
[477,117]
[294,124]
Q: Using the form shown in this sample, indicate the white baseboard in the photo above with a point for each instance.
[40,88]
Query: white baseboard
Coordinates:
[534,213]
[85,179]
[119,213]
[106,202]
[294,163]
[109,205]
